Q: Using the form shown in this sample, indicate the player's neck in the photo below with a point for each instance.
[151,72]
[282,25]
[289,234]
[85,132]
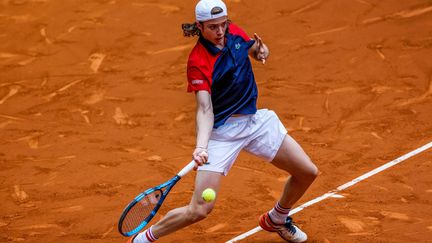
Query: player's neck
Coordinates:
[220,46]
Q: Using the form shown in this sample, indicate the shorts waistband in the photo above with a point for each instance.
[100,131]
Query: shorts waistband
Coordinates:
[233,120]
[238,119]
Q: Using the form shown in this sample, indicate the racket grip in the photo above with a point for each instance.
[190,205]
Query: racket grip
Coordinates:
[187,169]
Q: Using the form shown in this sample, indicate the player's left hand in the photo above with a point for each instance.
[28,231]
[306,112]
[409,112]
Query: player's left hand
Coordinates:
[261,50]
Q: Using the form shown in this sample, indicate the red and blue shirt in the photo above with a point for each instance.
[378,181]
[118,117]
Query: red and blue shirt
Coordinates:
[226,74]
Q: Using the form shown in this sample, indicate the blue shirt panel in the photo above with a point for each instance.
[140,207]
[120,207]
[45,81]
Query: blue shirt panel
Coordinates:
[233,90]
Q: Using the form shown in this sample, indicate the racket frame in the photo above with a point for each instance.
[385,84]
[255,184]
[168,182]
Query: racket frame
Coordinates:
[168,185]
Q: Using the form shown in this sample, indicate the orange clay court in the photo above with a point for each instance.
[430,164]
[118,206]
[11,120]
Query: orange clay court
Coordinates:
[94,110]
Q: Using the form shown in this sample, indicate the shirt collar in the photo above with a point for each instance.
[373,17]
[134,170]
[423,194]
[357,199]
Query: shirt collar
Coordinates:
[211,47]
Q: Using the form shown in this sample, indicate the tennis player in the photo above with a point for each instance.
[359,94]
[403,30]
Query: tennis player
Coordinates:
[220,74]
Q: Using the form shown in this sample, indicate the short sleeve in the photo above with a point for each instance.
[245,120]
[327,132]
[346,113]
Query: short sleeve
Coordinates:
[197,80]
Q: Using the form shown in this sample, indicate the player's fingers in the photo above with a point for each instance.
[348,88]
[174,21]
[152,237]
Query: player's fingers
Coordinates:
[258,39]
[197,159]
[200,156]
[259,42]
[261,50]
[204,156]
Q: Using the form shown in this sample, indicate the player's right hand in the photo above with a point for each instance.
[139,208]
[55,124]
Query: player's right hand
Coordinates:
[200,156]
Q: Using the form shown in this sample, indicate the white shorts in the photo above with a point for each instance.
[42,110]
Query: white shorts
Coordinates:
[260,134]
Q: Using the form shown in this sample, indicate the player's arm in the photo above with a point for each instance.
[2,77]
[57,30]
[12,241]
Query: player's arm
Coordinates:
[259,51]
[204,126]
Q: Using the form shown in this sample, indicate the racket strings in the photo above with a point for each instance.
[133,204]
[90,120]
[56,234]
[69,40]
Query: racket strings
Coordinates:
[140,211]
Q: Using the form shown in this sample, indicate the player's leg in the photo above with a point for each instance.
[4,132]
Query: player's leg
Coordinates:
[223,151]
[270,141]
[181,217]
[197,210]
[291,158]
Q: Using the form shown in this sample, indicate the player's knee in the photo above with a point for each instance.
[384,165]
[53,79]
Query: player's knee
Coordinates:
[311,172]
[199,212]
[307,173]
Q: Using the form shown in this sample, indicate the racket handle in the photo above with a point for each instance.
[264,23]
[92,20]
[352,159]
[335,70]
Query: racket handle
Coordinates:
[187,169]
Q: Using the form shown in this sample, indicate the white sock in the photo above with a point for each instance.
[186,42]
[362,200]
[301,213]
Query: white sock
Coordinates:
[145,237]
[279,214]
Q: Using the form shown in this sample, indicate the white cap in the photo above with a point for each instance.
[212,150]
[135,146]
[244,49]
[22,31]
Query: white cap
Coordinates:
[210,9]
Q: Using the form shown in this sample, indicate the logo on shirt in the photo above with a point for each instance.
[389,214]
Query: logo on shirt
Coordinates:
[197,81]
[237,46]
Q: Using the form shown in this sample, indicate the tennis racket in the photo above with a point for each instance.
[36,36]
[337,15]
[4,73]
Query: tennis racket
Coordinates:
[143,207]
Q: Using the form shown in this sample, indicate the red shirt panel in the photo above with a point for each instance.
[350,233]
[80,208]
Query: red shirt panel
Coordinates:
[201,62]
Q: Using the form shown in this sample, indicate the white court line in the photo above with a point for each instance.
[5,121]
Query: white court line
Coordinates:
[341,188]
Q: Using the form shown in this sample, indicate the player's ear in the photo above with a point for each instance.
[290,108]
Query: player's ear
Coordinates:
[200,25]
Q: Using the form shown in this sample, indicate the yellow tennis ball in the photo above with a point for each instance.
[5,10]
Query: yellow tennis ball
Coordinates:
[209,195]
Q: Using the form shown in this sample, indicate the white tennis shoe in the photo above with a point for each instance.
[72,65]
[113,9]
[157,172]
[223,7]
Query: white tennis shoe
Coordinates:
[288,231]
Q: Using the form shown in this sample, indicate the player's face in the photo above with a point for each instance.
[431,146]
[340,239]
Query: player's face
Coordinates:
[214,30]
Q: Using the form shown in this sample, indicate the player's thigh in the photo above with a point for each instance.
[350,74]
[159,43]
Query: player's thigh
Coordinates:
[203,180]
[292,158]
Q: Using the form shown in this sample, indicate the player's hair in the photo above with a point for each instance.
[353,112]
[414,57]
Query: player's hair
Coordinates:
[190,29]
[193,30]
